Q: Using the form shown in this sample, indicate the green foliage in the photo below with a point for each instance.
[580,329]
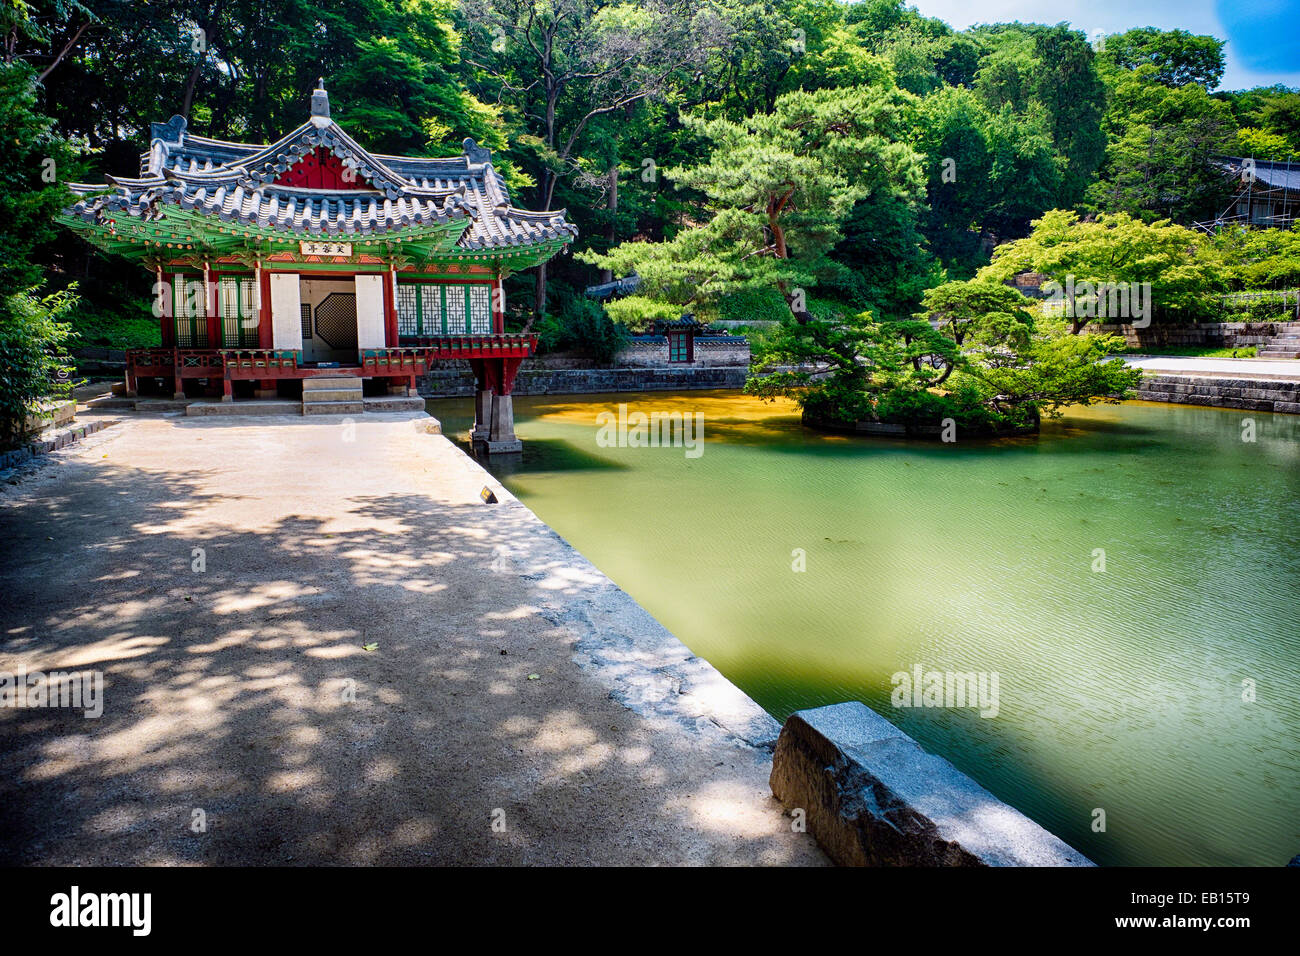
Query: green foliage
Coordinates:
[1270,109]
[1048,78]
[1263,144]
[988,170]
[1175,56]
[579,324]
[1116,249]
[777,188]
[1029,115]
[752,305]
[1159,164]
[132,326]
[398,96]
[34,364]
[33,157]
[1258,258]
[979,313]
[989,365]
[1056,371]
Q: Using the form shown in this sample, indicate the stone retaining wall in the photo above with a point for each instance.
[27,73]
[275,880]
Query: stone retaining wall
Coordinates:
[1230,335]
[1250,394]
[709,352]
[459,382]
[872,797]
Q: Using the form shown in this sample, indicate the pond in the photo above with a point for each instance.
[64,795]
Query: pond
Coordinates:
[1131,575]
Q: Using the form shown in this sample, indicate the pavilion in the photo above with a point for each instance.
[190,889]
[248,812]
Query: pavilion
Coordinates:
[312,258]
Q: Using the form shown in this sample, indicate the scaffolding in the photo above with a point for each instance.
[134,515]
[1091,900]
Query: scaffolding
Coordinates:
[1269,197]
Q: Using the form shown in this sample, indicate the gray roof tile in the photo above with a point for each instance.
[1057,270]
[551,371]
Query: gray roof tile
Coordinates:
[235,182]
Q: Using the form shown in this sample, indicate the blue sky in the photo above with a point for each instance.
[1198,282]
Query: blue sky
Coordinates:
[1263,35]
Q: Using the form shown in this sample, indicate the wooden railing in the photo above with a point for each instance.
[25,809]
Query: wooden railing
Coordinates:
[261,363]
[150,361]
[411,358]
[208,363]
[399,361]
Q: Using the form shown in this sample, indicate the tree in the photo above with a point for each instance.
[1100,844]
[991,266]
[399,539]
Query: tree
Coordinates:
[1258,258]
[33,29]
[1261,144]
[561,64]
[399,94]
[1048,78]
[1176,56]
[34,163]
[990,366]
[988,171]
[1162,143]
[776,190]
[980,312]
[1114,248]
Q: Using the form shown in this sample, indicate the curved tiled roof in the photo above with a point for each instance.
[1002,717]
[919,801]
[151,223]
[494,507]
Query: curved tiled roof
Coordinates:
[236,183]
[1272,174]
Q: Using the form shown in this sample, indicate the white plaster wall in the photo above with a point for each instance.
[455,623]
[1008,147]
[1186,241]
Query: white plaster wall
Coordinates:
[286,327]
[370,311]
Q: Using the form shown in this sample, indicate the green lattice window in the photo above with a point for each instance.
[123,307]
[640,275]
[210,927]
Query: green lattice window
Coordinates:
[429,308]
[480,309]
[455,309]
[408,309]
[420,309]
[237,301]
[678,347]
[189,312]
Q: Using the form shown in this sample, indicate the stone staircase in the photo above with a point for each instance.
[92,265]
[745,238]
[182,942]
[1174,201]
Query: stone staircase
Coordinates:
[332,395]
[1284,345]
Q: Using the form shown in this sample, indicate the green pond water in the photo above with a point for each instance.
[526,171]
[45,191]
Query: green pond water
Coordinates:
[1119,690]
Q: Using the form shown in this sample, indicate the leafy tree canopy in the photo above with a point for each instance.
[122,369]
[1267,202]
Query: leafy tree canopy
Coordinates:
[775,193]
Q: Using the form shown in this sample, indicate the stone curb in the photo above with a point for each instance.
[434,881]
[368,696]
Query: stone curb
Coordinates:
[874,797]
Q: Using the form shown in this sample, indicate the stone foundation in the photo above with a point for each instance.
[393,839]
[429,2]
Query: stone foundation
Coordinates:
[1249,394]
[454,383]
[873,797]
[1229,335]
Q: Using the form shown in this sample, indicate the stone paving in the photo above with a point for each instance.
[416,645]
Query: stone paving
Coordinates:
[319,646]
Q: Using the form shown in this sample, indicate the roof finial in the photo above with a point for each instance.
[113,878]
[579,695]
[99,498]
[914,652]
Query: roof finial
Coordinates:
[320,102]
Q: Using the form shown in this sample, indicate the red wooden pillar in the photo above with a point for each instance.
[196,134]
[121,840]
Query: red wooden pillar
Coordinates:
[211,309]
[167,322]
[501,435]
[498,306]
[390,307]
[265,340]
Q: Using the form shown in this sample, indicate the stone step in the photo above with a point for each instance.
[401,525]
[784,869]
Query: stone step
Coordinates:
[332,395]
[333,408]
[394,403]
[328,382]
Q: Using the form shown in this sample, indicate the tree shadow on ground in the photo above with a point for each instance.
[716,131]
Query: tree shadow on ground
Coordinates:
[241,695]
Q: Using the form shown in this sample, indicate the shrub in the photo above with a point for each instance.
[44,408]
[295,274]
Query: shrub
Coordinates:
[34,364]
[580,324]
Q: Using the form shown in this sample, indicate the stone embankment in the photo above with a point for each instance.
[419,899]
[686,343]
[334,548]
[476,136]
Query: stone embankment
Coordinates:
[1250,394]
